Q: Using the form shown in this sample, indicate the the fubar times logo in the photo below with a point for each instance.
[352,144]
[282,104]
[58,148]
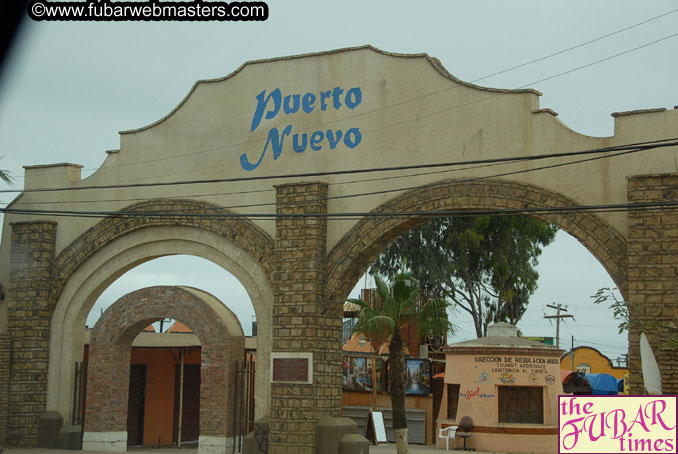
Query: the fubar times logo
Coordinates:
[617,424]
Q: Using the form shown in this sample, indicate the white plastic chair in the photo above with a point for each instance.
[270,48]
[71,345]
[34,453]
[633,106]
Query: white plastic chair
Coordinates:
[448,433]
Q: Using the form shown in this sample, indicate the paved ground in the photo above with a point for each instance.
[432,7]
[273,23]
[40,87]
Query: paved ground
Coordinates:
[415,449]
[381,449]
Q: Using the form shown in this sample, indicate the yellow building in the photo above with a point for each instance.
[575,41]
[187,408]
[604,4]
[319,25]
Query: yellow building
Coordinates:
[590,360]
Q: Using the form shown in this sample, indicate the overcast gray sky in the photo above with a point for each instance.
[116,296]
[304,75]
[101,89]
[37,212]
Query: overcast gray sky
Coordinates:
[68,88]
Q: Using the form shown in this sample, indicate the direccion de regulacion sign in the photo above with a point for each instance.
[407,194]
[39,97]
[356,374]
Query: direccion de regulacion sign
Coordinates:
[270,105]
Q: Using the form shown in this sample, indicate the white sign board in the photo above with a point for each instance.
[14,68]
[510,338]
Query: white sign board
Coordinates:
[375,430]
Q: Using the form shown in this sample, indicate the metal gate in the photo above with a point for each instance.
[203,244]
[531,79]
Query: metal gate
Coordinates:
[243,400]
[79,393]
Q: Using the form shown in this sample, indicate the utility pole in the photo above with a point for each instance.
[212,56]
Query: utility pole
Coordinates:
[559,308]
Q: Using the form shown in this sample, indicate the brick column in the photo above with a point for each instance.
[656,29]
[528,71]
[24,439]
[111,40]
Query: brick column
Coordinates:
[303,321]
[28,317]
[653,273]
[4,385]
[107,388]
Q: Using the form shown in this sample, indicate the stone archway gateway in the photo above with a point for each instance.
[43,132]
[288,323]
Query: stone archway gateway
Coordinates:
[222,343]
[284,164]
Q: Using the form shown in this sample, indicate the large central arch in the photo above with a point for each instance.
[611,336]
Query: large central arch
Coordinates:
[116,245]
[359,248]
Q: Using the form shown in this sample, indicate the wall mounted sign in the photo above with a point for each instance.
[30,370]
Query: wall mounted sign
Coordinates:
[291,367]
[274,104]
[506,366]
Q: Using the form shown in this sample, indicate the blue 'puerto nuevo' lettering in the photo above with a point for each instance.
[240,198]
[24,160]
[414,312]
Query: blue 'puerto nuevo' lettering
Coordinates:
[271,104]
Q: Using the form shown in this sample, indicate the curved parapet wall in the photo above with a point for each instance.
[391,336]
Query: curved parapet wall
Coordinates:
[350,109]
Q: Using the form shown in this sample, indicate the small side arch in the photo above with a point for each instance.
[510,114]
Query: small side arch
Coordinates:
[222,342]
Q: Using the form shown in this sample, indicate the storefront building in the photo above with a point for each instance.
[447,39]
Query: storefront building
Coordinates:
[508,386]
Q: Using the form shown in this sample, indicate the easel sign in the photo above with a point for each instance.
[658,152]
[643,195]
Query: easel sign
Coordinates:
[375,431]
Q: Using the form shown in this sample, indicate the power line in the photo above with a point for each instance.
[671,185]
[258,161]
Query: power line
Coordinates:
[336,183]
[472,179]
[355,215]
[145,199]
[635,146]
[360,194]
[577,46]
[580,341]
[602,60]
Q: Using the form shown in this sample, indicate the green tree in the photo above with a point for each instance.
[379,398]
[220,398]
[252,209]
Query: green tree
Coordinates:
[484,265]
[400,305]
[665,330]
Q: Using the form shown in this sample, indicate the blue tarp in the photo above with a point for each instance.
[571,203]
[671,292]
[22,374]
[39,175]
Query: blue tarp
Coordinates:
[602,384]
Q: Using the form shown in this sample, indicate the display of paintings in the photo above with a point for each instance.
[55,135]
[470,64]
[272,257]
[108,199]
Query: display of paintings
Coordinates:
[418,377]
[357,374]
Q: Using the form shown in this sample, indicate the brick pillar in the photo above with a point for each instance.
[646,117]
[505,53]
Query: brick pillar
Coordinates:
[28,322]
[303,321]
[653,274]
[4,385]
[216,390]
[108,387]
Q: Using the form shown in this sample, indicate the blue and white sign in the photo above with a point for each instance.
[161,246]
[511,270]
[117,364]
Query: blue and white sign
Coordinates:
[271,105]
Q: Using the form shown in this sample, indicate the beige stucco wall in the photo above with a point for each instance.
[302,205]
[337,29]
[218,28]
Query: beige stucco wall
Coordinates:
[479,376]
[411,112]
[467,370]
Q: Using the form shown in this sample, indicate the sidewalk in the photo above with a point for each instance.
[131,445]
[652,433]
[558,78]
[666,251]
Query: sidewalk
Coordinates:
[380,449]
[418,449]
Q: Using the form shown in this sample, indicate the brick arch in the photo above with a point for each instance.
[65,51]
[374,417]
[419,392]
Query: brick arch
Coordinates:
[361,245]
[240,231]
[222,342]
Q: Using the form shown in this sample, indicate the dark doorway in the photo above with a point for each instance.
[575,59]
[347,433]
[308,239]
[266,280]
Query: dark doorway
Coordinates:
[135,405]
[190,426]
[437,388]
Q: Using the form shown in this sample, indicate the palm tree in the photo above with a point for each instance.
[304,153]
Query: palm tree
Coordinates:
[401,305]
[4,176]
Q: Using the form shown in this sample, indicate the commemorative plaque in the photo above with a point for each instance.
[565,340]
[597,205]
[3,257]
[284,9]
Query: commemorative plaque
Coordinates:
[291,367]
